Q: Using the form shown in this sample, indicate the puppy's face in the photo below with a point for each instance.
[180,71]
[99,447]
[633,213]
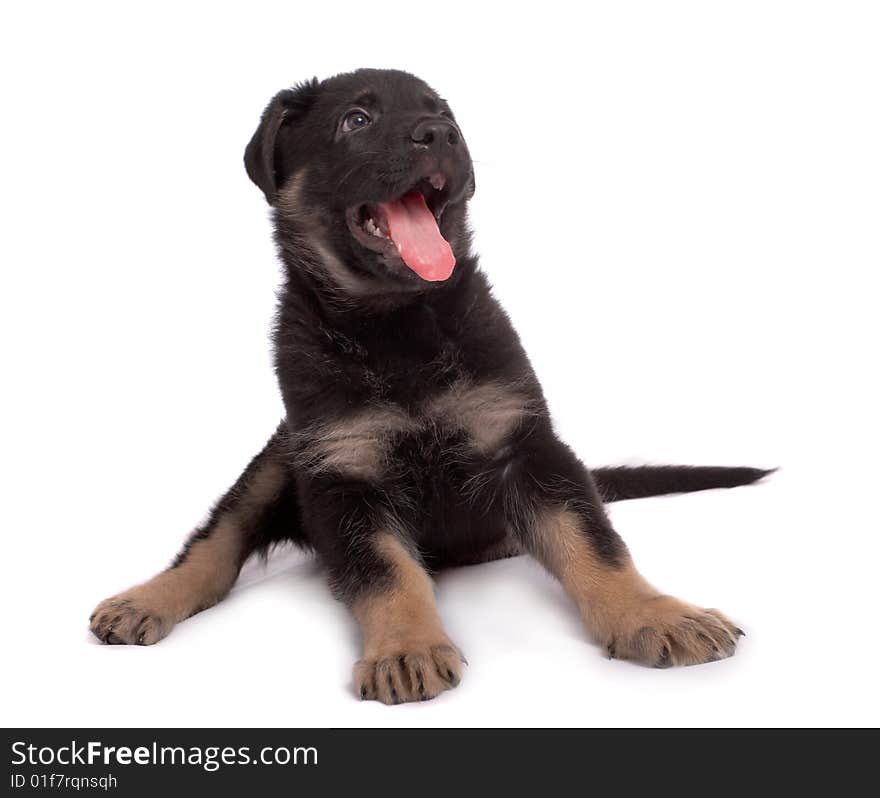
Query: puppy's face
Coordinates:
[371,172]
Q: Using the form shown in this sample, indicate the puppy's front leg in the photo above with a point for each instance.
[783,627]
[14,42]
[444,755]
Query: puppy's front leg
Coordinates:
[407,655]
[375,568]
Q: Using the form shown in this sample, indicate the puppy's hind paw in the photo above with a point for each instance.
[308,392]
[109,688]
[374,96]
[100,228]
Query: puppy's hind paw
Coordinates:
[664,631]
[124,620]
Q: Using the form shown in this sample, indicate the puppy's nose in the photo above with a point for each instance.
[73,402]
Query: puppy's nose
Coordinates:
[438,133]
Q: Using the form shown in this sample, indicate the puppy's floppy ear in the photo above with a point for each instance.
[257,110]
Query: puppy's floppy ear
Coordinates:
[259,157]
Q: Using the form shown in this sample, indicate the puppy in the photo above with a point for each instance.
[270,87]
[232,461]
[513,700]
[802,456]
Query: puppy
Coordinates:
[416,434]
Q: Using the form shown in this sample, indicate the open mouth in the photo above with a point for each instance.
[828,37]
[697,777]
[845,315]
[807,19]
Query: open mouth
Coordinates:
[407,227]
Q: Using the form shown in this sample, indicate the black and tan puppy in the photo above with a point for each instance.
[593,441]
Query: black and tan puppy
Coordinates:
[416,435]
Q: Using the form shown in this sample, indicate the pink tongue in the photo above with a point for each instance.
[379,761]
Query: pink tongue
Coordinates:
[413,229]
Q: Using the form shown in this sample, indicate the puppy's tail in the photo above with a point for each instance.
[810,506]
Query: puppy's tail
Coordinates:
[618,483]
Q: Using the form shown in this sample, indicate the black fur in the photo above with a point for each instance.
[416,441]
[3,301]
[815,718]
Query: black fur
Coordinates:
[636,482]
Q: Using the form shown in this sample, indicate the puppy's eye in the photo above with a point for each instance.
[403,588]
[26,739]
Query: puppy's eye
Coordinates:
[356,119]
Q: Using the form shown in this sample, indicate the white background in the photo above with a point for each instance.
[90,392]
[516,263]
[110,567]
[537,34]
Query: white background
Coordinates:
[678,204]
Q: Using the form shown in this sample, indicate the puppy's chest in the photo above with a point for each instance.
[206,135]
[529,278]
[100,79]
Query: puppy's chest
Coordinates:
[479,416]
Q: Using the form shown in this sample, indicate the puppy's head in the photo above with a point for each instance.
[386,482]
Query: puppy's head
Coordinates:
[369,174]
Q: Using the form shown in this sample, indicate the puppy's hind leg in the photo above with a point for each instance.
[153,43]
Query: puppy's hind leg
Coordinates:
[257,511]
[561,521]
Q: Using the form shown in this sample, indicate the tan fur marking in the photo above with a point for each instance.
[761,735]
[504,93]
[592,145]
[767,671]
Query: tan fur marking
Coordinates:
[146,613]
[289,199]
[622,610]
[325,264]
[407,654]
[601,591]
[358,444]
[488,412]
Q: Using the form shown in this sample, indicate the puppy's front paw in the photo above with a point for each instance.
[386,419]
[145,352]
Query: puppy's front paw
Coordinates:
[131,618]
[663,631]
[415,675]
